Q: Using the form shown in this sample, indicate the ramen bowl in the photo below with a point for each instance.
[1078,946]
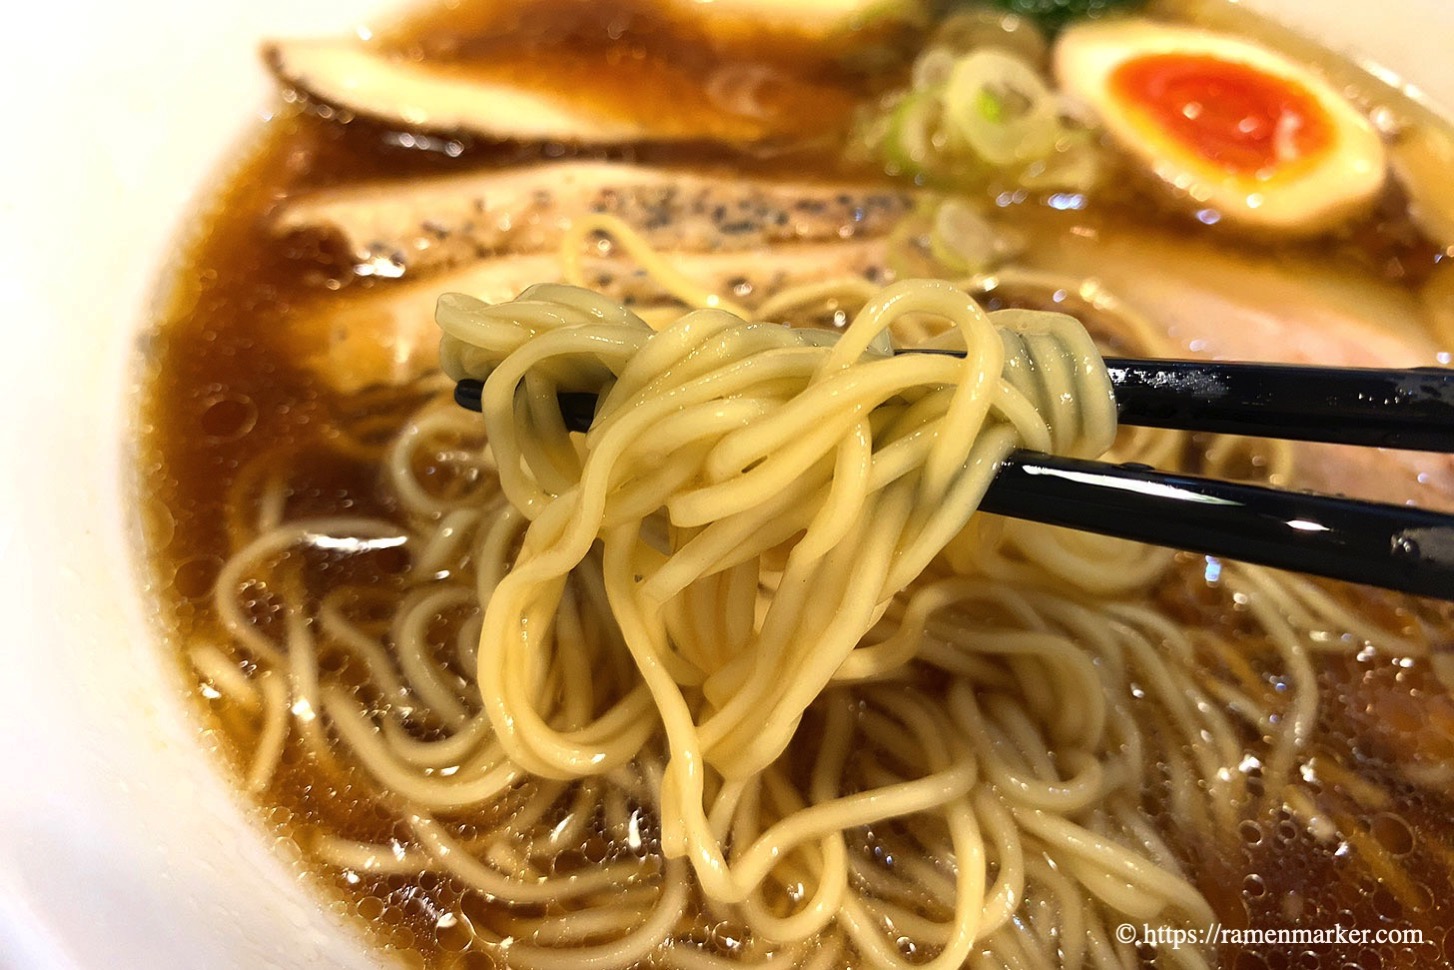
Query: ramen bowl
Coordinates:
[125,847]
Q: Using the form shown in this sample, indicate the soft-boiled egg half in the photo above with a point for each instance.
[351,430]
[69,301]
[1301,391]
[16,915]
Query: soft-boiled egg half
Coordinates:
[1240,132]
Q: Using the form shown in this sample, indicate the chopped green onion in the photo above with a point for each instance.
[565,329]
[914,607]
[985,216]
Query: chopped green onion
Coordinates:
[980,109]
[908,145]
[1053,15]
[990,107]
[962,240]
[973,119]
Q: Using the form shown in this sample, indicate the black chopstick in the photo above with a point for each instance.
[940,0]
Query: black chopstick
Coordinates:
[1391,546]
[1373,407]
[1411,409]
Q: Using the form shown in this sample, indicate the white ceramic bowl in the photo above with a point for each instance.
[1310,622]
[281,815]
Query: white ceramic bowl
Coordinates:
[120,846]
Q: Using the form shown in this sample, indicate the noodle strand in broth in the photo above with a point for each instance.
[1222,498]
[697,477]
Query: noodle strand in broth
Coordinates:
[768,532]
[747,632]
[731,671]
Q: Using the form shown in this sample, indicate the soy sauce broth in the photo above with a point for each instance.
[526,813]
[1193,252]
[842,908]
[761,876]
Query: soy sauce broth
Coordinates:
[223,392]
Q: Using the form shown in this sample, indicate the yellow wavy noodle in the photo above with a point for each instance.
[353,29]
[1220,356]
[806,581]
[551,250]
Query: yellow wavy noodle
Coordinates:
[747,630]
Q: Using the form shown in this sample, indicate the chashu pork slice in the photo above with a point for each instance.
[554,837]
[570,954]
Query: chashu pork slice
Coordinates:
[591,100]
[414,96]
[388,229]
[387,334]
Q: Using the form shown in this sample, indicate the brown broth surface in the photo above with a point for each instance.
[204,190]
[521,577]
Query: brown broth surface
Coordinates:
[222,392]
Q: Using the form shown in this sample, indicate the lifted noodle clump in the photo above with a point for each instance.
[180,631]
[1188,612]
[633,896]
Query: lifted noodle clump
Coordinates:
[754,500]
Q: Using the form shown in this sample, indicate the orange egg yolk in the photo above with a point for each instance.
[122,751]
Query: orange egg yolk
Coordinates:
[1237,117]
